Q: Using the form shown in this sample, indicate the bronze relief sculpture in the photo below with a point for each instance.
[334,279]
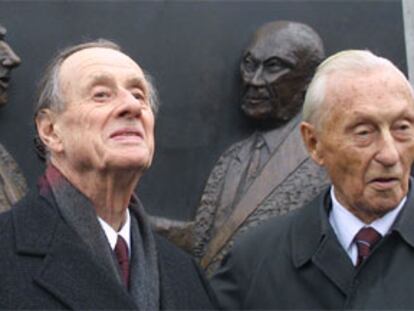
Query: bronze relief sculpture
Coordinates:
[269,173]
[12,183]
[8,60]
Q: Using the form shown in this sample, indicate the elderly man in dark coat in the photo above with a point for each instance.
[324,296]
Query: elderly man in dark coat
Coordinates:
[353,246]
[82,241]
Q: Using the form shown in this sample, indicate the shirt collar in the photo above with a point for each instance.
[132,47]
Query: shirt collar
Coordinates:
[274,137]
[270,138]
[112,235]
[346,225]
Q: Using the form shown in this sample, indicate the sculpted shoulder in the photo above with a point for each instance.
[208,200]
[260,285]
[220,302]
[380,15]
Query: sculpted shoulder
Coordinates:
[235,148]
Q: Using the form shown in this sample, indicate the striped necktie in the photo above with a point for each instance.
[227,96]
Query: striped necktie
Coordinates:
[121,252]
[365,240]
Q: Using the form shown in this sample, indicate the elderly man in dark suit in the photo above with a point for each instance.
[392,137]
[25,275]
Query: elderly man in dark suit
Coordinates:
[353,246]
[83,241]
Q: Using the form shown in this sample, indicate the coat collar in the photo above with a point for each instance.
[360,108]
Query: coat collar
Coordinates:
[313,239]
[309,229]
[35,227]
[64,266]
[71,274]
[404,223]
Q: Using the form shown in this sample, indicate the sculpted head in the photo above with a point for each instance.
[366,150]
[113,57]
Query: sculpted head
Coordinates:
[95,110]
[359,124]
[8,60]
[276,68]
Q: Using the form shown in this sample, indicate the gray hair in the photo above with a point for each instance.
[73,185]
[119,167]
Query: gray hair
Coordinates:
[348,61]
[49,89]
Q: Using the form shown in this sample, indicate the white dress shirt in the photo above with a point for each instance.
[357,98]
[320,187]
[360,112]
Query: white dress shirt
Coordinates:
[112,235]
[346,225]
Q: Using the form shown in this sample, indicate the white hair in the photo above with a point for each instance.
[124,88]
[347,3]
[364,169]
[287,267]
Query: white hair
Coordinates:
[345,62]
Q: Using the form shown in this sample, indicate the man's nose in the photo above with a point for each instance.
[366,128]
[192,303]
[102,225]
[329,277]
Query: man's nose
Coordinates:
[257,78]
[8,57]
[130,105]
[388,153]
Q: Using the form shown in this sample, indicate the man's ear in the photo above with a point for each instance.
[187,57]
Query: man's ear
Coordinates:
[312,142]
[47,130]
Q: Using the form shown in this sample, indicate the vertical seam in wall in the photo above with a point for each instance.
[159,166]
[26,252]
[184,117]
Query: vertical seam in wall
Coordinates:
[408,17]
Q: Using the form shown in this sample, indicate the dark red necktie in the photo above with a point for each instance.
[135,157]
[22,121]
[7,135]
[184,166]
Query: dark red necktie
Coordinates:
[365,240]
[121,252]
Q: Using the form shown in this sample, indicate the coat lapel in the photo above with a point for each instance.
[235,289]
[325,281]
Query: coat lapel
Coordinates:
[182,284]
[71,274]
[314,240]
[404,224]
[67,269]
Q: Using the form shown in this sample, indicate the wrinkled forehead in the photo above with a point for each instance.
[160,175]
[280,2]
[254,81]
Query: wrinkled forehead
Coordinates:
[355,89]
[99,56]
[95,61]
[381,78]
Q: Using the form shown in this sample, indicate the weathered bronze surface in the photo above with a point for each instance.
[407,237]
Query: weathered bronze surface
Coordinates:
[275,69]
[269,173]
[12,183]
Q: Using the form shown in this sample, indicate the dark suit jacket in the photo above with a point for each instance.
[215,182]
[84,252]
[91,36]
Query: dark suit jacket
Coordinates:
[44,264]
[296,262]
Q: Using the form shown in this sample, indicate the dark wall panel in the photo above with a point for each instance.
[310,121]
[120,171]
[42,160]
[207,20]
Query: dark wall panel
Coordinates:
[192,48]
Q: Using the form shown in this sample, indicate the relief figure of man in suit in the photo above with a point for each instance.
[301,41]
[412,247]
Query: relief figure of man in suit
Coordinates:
[269,173]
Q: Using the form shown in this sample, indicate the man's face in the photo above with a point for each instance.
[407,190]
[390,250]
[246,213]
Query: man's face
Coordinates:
[272,77]
[108,122]
[367,140]
[8,60]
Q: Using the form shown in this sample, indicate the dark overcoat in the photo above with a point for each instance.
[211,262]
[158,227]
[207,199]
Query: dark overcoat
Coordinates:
[44,264]
[296,262]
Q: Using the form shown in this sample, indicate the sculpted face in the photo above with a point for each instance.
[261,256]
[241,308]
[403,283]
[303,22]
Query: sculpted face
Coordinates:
[8,60]
[275,70]
[108,122]
[366,142]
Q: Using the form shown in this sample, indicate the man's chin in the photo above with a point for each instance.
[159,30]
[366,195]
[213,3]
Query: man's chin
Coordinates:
[379,206]
[257,112]
[129,163]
